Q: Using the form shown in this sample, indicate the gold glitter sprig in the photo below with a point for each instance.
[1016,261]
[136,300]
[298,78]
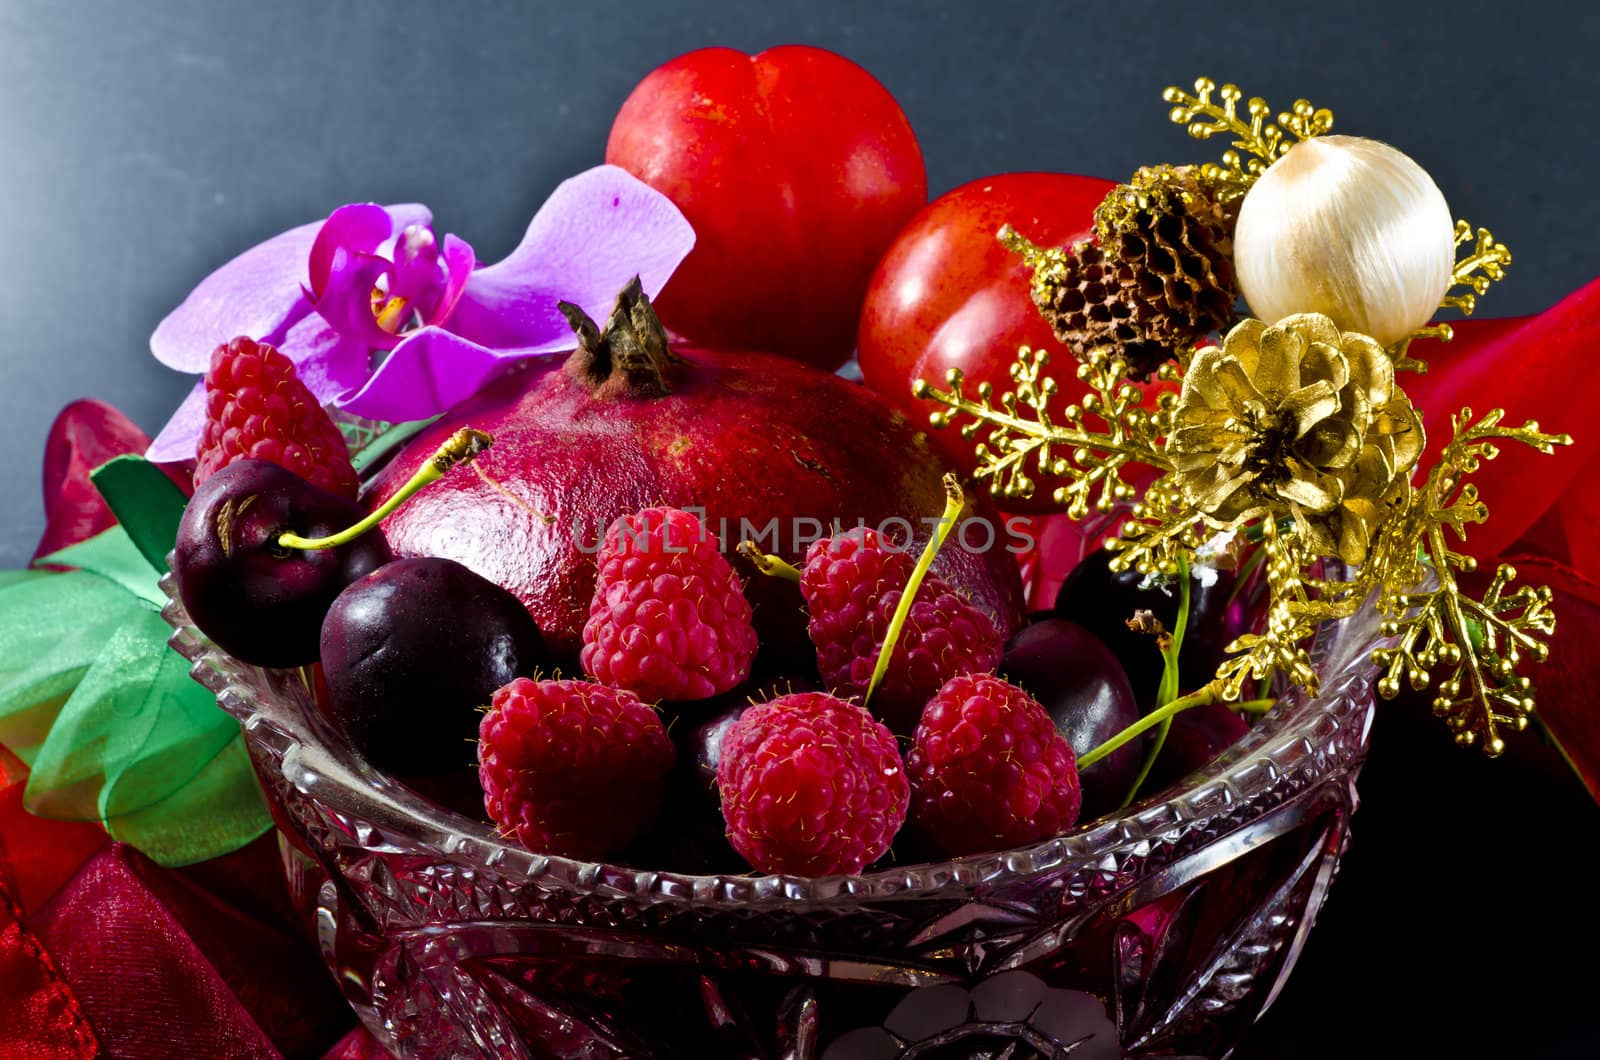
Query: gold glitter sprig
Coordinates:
[1293,435]
[1280,647]
[1475,270]
[1485,263]
[1478,646]
[1161,529]
[1261,140]
[1400,352]
[1087,444]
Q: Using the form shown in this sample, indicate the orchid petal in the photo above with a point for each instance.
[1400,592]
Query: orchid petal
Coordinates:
[347,301]
[327,362]
[595,233]
[256,294]
[359,228]
[180,438]
[459,260]
[415,276]
[429,371]
[514,317]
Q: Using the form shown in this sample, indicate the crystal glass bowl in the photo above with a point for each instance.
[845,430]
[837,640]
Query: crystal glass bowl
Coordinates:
[1163,930]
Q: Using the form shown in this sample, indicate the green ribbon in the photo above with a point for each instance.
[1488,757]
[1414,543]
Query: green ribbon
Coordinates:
[98,706]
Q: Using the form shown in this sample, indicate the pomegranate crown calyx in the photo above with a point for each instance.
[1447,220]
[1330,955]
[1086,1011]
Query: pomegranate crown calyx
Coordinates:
[628,358]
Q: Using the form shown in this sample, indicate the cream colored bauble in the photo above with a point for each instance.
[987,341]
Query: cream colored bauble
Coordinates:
[1349,228]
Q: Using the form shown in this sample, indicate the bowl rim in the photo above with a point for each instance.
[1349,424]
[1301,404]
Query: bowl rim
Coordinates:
[305,750]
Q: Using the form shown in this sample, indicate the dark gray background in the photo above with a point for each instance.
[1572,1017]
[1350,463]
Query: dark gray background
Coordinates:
[142,144]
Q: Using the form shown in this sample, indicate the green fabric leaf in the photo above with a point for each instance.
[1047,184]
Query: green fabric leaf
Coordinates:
[106,715]
[12,577]
[146,502]
[134,731]
[113,555]
[53,628]
[217,811]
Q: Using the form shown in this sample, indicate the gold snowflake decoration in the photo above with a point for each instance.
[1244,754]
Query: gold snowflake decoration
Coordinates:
[1261,141]
[1088,444]
[1477,268]
[1299,438]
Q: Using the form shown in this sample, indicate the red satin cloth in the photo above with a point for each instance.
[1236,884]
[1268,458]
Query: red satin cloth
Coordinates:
[104,954]
[85,435]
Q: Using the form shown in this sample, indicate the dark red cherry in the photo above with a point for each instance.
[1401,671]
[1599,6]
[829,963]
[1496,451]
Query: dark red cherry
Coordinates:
[412,651]
[1081,684]
[257,601]
[690,834]
[702,724]
[701,747]
[1198,735]
[1102,601]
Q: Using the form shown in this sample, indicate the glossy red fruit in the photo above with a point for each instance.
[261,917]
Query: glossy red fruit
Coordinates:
[1102,601]
[948,295]
[260,602]
[1080,683]
[412,652]
[796,169]
[753,441]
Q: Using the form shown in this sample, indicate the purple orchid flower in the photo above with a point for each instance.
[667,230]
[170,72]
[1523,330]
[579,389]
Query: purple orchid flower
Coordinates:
[373,283]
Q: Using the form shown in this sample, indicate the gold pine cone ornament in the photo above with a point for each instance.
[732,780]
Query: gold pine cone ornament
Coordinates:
[1295,417]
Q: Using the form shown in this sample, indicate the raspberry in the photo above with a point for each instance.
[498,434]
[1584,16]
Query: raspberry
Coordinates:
[811,785]
[257,407]
[669,619]
[852,584]
[571,767]
[989,770]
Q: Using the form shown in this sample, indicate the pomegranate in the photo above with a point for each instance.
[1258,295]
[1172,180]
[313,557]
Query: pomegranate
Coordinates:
[762,444]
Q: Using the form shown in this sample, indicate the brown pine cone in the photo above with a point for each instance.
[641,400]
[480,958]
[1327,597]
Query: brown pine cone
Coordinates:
[1173,245]
[1158,278]
[1084,298]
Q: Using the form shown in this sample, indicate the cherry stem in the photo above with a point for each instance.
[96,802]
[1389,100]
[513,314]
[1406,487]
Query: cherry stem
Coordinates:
[954,501]
[1208,693]
[1149,763]
[1169,656]
[772,566]
[462,448]
[1168,689]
